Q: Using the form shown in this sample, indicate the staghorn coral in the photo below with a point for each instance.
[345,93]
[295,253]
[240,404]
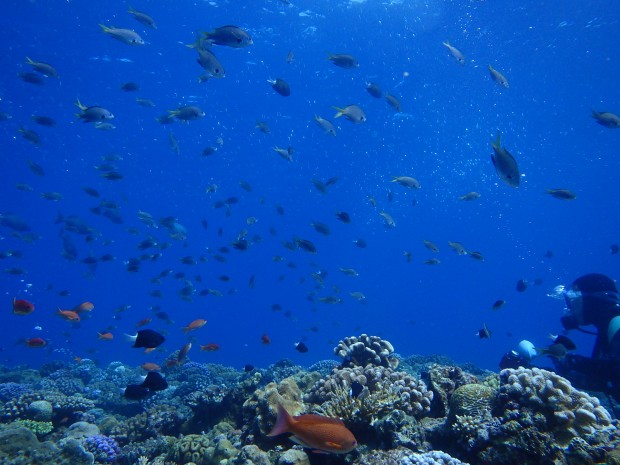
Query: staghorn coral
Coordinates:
[384,390]
[365,350]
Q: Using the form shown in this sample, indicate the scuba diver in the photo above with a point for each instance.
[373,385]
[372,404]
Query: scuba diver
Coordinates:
[591,299]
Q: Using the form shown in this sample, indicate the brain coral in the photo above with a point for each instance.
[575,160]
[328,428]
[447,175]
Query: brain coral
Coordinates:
[471,400]
[192,448]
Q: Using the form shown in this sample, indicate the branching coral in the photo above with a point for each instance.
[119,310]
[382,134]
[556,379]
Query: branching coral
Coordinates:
[366,350]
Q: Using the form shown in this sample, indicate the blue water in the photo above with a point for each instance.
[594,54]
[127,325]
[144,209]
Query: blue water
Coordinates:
[561,62]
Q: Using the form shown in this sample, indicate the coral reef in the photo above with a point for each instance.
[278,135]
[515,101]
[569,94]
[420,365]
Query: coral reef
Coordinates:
[443,380]
[428,411]
[260,409]
[406,457]
[365,350]
[384,390]
[567,412]
[475,400]
[159,420]
[104,448]
[40,428]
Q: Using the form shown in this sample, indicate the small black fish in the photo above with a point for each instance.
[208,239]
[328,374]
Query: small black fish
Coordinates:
[280,86]
[615,248]
[154,382]
[248,368]
[498,304]
[301,347]
[344,217]
[521,285]
[484,333]
[130,87]
[374,90]
[135,392]
[356,389]
[565,341]
[361,243]
[147,338]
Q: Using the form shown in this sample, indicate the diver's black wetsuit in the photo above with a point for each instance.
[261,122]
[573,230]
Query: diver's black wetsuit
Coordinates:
[591,300]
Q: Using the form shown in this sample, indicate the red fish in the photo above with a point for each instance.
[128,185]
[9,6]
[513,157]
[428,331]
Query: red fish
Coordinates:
[319,433]
[150,366]
[194,325]
[106,336]
[68,315]
[22,307]
[143,322]
[84,307]
[35,342]
[265,339]
[210,347]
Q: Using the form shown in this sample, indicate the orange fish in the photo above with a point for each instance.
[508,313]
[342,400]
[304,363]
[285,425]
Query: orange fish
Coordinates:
[265,339]
[22,307]
[180,358]
[84,307]
[68,315]
[35,342]
[106,336]
[143,322]
[149,366]
[194,325]
[210,347]
[319,433]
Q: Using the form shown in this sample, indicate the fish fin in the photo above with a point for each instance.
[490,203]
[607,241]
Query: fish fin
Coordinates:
[283,422]
[104,28]
[497,142]
[298,440]
[319,451]
[30,61]
[340,112]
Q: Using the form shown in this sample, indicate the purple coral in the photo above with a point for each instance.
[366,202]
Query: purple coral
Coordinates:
[104,448]
[10,391]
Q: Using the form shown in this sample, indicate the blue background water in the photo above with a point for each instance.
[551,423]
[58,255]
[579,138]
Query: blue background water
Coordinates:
[561,61]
